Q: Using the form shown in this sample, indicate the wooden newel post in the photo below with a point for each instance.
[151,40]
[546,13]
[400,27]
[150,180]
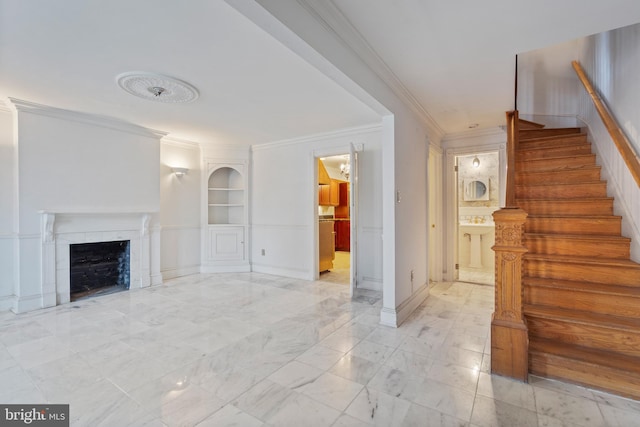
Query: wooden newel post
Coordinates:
[509,337]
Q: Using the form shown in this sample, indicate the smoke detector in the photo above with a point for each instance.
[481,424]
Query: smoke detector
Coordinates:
[156,87]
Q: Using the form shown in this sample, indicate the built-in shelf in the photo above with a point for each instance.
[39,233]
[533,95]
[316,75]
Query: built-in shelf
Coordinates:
[224,246]
[225,196]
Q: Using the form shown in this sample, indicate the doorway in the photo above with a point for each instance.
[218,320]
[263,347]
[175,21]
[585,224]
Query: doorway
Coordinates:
[334,218]
[478,196]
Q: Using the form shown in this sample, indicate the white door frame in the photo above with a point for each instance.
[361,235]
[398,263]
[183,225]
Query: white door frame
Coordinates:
[435,212]
[338,150]
[451,200]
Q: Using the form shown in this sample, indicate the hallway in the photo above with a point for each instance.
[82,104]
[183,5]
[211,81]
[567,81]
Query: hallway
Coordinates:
[259,350]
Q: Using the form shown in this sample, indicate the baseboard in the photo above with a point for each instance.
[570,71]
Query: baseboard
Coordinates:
[232,268]
[25,304]
[6,303]
[156,279]
[395,317]
[173,273]
[280,271]
[370,284]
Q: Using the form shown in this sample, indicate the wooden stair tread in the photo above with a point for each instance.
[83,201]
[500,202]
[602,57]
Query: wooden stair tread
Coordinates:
[526,134]
[593,356]
[593,237]
[527,124]
[528,146]
[585,199]
[611,262]
[570,169]
[569,217]
[553,133]
[552,152]
[583,317]
[546,159]
[595,288]
[560,184]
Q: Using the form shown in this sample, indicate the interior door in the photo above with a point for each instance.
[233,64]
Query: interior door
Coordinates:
[353,207]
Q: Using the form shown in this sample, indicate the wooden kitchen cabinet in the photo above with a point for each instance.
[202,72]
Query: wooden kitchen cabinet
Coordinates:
[343,235]
[329,195]
[342,210]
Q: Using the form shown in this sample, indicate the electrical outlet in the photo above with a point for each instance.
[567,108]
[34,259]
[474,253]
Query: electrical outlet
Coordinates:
[262,252]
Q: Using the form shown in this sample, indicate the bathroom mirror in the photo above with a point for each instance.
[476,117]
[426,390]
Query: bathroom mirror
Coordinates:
[476,189]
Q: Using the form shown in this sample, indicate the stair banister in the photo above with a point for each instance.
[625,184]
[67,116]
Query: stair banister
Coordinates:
[509,334]
[619,138]
[512,146]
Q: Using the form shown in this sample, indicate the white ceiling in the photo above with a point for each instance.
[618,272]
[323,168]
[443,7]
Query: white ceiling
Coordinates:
[67,54]
[455,57]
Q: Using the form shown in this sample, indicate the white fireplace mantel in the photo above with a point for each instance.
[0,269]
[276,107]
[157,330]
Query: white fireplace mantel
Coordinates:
[61,229]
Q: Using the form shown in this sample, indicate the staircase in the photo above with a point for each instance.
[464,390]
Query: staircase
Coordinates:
[581,291]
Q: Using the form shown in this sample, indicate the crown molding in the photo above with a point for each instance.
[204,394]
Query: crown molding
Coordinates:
[181,143]
[343,133]
[332,19]
[92,119]
[244,148]
[4,108]
[475,133]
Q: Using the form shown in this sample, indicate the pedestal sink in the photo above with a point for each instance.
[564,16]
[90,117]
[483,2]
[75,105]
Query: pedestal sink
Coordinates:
[476,231]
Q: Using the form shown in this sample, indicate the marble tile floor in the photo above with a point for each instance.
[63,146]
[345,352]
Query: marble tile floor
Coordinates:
[341,272]
[475,275]
[257,350]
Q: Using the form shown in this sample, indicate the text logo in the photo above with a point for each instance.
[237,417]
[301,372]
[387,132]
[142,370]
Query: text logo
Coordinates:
[34,415]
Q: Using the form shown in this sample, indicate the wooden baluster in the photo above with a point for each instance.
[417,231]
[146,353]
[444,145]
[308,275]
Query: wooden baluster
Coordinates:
[512,146]
[509,335]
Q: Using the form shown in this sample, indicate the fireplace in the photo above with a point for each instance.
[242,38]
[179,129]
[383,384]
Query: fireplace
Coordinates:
[98,268]
[60,231]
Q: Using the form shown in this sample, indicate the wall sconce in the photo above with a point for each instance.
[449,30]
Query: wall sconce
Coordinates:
[476,162]
[180,171]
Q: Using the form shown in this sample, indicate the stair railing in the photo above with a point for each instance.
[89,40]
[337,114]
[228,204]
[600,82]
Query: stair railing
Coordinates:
[619,138]
[509,334]
[512,146]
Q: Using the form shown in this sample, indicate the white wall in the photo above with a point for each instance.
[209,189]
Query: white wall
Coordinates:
[548,86]
[7,206]
[612,60]
[411,213]
[546,81]
[73,162]
[284,204]
[180,208]
[404,140]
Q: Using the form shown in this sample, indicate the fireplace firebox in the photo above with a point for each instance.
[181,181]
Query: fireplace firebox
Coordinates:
[98,268]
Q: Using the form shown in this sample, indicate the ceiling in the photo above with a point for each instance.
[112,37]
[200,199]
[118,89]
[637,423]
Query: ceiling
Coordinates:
[252,89]
[455,58]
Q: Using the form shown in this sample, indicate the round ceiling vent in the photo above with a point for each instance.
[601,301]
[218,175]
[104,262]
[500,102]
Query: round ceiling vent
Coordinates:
[156,87]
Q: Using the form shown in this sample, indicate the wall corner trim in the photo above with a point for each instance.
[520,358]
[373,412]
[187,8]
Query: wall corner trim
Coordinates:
[395,317]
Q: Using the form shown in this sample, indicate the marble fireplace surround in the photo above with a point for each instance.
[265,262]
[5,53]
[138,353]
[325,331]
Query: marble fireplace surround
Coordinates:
[62,229]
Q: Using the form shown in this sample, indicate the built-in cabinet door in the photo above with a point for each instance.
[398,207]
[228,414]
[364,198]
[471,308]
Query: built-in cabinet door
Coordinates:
[226,243]
[329,194]
[343,235]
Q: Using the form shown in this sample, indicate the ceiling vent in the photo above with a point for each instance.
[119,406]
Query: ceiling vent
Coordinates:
[156,87]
